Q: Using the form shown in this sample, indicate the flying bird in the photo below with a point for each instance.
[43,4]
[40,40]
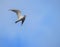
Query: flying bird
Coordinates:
[19,15]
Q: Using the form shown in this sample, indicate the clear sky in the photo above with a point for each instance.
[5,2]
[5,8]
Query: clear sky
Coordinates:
[40,29]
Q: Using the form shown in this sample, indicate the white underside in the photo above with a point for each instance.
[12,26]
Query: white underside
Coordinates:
[20,17]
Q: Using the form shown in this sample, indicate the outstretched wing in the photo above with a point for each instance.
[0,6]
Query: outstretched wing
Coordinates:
[18,12]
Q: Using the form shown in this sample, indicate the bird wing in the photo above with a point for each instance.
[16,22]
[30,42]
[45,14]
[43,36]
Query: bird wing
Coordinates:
[18,12]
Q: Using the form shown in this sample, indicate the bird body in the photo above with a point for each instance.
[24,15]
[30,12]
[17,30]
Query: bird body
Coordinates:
[19,15]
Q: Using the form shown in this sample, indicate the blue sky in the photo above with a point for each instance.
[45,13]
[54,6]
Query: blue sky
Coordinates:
[40,29]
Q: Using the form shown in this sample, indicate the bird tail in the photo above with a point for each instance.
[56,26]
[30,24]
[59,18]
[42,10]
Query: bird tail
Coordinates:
[23,20]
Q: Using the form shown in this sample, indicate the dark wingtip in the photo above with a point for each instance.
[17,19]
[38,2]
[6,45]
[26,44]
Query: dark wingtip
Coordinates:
[15,21]
[21,24]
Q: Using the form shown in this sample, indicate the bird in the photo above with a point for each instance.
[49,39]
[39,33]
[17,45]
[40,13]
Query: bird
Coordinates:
[19,15]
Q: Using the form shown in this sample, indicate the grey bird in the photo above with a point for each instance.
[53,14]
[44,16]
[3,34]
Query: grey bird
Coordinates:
[19,15]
